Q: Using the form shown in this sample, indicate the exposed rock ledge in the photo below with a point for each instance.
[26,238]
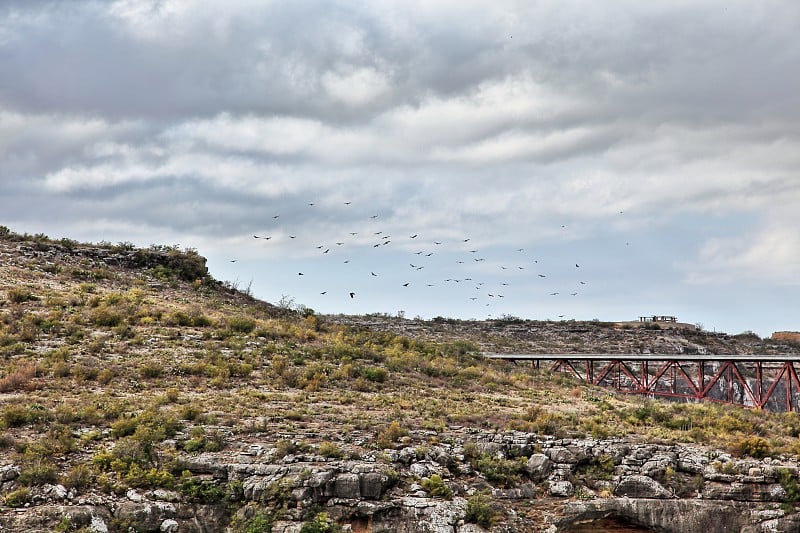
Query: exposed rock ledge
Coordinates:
[559,483]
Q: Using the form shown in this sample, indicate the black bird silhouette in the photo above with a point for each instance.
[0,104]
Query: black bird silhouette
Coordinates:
[292,236]
[352,295]
[326,251]
[374,216]
[373,273]
[233,260]
[276,216]
[583,283]
[466,240]
[324,292]
[436,242]
[405,284]
[353,233]
[347,261]
[428,255]
[347,203]
[553,294]
[541,275]
[413,236]
[573,293]
[577,265]
[299,273]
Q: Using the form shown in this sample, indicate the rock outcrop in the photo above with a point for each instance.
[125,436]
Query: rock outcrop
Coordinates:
[666,488]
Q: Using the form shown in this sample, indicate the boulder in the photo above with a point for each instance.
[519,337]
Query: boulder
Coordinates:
[638,486]
[538,467]
[347,486]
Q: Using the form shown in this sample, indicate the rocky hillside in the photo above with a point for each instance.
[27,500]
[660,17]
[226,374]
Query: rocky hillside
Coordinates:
[137,393]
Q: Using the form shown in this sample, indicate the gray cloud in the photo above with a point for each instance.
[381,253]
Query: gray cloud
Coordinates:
[646,140]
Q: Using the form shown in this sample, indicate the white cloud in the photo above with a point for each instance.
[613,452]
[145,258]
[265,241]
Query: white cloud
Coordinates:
[767,256]
[355,86]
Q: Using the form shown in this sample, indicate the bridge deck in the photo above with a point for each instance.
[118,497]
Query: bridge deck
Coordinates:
[775,358]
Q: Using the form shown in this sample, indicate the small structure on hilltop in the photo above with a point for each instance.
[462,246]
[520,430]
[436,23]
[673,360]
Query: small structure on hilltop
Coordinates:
[658,318]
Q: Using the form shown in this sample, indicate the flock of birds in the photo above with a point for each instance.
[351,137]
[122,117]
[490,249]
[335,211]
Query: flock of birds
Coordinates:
[472,264]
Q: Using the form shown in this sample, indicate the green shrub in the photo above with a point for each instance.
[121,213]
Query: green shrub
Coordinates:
[39,472]
[753,446]
[436,487]
[375,374]
[18,498]
[391,434]
[506,472]
[331,450]
[201,490]
[79,477]
[241,324]
[792,488]
[19,295]
[479,510]
[321,523]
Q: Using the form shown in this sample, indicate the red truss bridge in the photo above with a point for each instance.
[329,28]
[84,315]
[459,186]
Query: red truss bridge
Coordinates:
[759,381]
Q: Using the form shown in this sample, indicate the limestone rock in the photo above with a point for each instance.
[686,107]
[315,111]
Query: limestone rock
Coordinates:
[538,467]
[638,486]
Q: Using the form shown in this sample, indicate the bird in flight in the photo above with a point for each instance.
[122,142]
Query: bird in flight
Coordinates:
[352,295]
[233,260]
[292,236]
[413,236]
[299,273]
[275,216]
[541,275]
[577,265]
[373,273]
[553,294]
[324,292]
[348,203]
[405,284]
[374,216]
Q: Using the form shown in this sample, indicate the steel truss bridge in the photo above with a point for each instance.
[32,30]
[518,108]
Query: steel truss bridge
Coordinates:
[759,381]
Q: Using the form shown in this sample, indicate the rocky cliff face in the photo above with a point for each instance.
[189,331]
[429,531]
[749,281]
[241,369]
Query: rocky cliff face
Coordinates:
[536,484]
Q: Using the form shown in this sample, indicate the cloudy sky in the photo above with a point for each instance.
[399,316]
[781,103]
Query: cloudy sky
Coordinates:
[637,158]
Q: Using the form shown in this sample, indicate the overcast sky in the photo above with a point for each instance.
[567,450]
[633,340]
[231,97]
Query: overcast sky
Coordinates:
[635,158]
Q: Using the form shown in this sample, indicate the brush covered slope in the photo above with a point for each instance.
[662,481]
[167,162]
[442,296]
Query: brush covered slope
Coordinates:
[138,392]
